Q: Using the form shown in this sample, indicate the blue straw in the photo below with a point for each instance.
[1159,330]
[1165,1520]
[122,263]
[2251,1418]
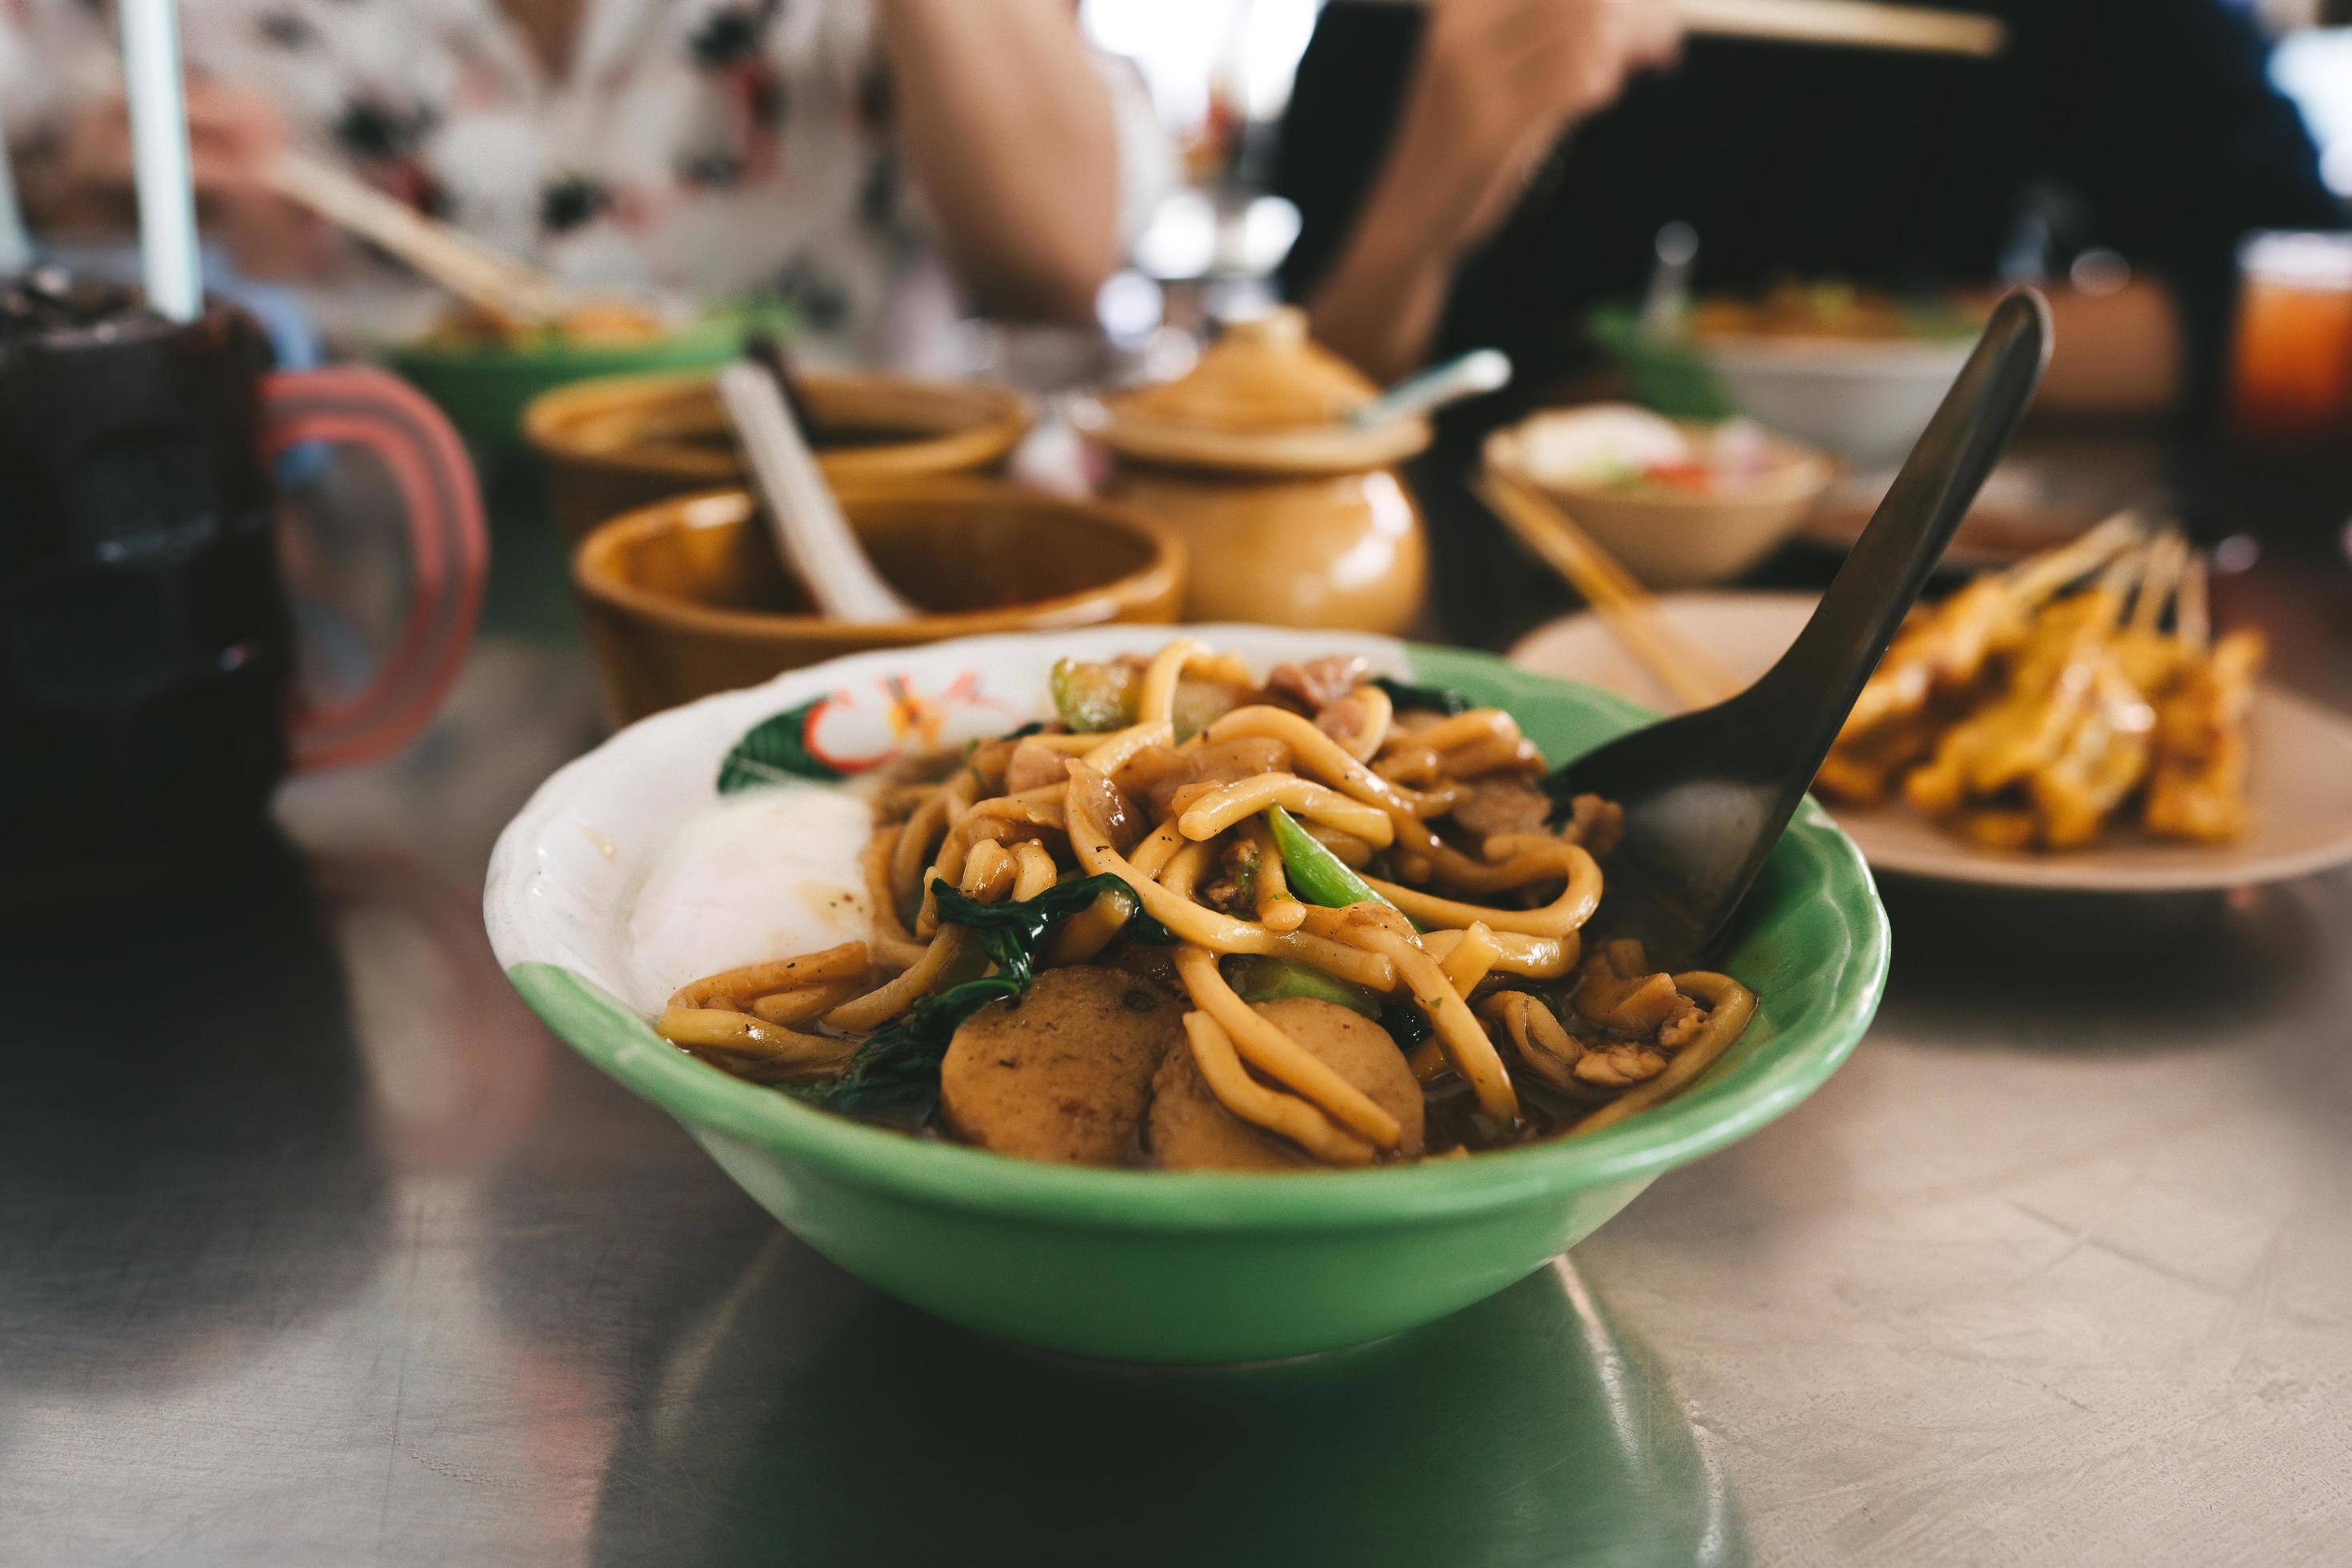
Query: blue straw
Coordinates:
[158,144]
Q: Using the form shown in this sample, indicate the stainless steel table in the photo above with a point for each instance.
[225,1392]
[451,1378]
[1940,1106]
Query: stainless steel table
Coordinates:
[316,1248]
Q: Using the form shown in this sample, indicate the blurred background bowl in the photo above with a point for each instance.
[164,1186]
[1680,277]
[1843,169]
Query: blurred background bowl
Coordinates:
[485,387]
[623,442]
[1680,539]
[1864,401]
[686,597]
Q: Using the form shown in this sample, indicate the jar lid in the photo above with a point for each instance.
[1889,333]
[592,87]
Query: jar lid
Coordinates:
[1262,398]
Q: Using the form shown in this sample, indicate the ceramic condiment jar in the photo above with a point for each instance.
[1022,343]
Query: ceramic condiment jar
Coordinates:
[1291,516]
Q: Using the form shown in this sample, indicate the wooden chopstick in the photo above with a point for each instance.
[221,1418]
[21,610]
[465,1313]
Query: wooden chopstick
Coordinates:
[1624,607]
[1858,24]
[474,271]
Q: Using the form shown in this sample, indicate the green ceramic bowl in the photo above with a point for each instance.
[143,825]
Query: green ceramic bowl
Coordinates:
[1668,374]
[483,390]
[1140,1265]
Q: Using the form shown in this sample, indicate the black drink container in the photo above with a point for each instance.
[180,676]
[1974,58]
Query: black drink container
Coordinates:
[143,632]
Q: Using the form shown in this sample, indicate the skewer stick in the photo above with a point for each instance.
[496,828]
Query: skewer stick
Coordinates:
[2192,620]
[2166,558]
[2124,574]
[2037,579]
[1625,608]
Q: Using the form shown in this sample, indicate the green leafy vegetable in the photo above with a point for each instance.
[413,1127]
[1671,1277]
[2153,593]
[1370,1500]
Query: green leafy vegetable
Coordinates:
[775,752]
[1197,704]
[1317,875]
[1404,1024]
[1258,979]
[895,1076]
[1095,697]
[1009,932]
[1555,786]
[1092,697]
[1144,929]
[1407,697]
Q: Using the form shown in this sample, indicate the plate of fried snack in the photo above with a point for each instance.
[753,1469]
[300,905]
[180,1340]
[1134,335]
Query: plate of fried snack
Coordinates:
[2073,721]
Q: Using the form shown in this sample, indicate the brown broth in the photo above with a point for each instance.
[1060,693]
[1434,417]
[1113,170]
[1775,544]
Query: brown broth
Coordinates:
[1454,1121]
[824,438]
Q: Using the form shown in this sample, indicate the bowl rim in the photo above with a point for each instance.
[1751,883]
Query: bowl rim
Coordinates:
[1804,476]
[1162,572]
[940,1174]
[1293,452]
[1003,415]
[1836,358]
[661,355]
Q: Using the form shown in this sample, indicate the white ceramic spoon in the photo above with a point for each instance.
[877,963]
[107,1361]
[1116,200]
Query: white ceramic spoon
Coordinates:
[1479,371]
[813,538]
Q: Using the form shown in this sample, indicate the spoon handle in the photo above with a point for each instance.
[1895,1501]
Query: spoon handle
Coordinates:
[1478,372]
[812,537]
[1822,672]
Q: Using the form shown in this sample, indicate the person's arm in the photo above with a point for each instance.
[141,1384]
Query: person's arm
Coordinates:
[1495,85]
[1008,125]
[76,181]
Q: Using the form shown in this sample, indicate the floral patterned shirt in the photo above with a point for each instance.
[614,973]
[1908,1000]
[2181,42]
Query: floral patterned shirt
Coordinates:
[724,149]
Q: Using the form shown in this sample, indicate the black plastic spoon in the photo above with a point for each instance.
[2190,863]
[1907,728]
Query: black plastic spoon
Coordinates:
[1706,793]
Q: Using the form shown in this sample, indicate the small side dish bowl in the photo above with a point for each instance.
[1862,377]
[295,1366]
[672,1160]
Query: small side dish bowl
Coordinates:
[622,442]
[685,597]
[1863,400]
[1866,402]
[1679,539]
[1141,1265]
[485,387]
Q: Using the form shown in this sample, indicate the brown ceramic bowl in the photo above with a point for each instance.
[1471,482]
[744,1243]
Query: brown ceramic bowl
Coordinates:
[1673,539]
[620,443]
[685,597]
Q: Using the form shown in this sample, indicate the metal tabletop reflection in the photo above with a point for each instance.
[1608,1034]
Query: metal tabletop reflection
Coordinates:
[315,1247]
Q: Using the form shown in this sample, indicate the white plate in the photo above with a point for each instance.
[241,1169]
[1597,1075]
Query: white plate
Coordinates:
[2301,785]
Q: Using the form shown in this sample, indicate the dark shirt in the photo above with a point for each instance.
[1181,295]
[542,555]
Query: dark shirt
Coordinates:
[2151,121]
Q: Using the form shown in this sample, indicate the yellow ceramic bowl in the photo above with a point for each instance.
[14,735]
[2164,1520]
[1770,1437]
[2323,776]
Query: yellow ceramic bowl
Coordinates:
[1671,538]
[620,443]
[685,597]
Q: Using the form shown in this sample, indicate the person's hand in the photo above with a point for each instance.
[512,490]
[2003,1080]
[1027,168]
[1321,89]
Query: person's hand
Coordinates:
[234,139]
[1495,85]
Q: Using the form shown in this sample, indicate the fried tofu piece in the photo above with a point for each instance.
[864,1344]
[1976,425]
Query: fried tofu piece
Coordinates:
[1063,1072]
[1191,1129]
